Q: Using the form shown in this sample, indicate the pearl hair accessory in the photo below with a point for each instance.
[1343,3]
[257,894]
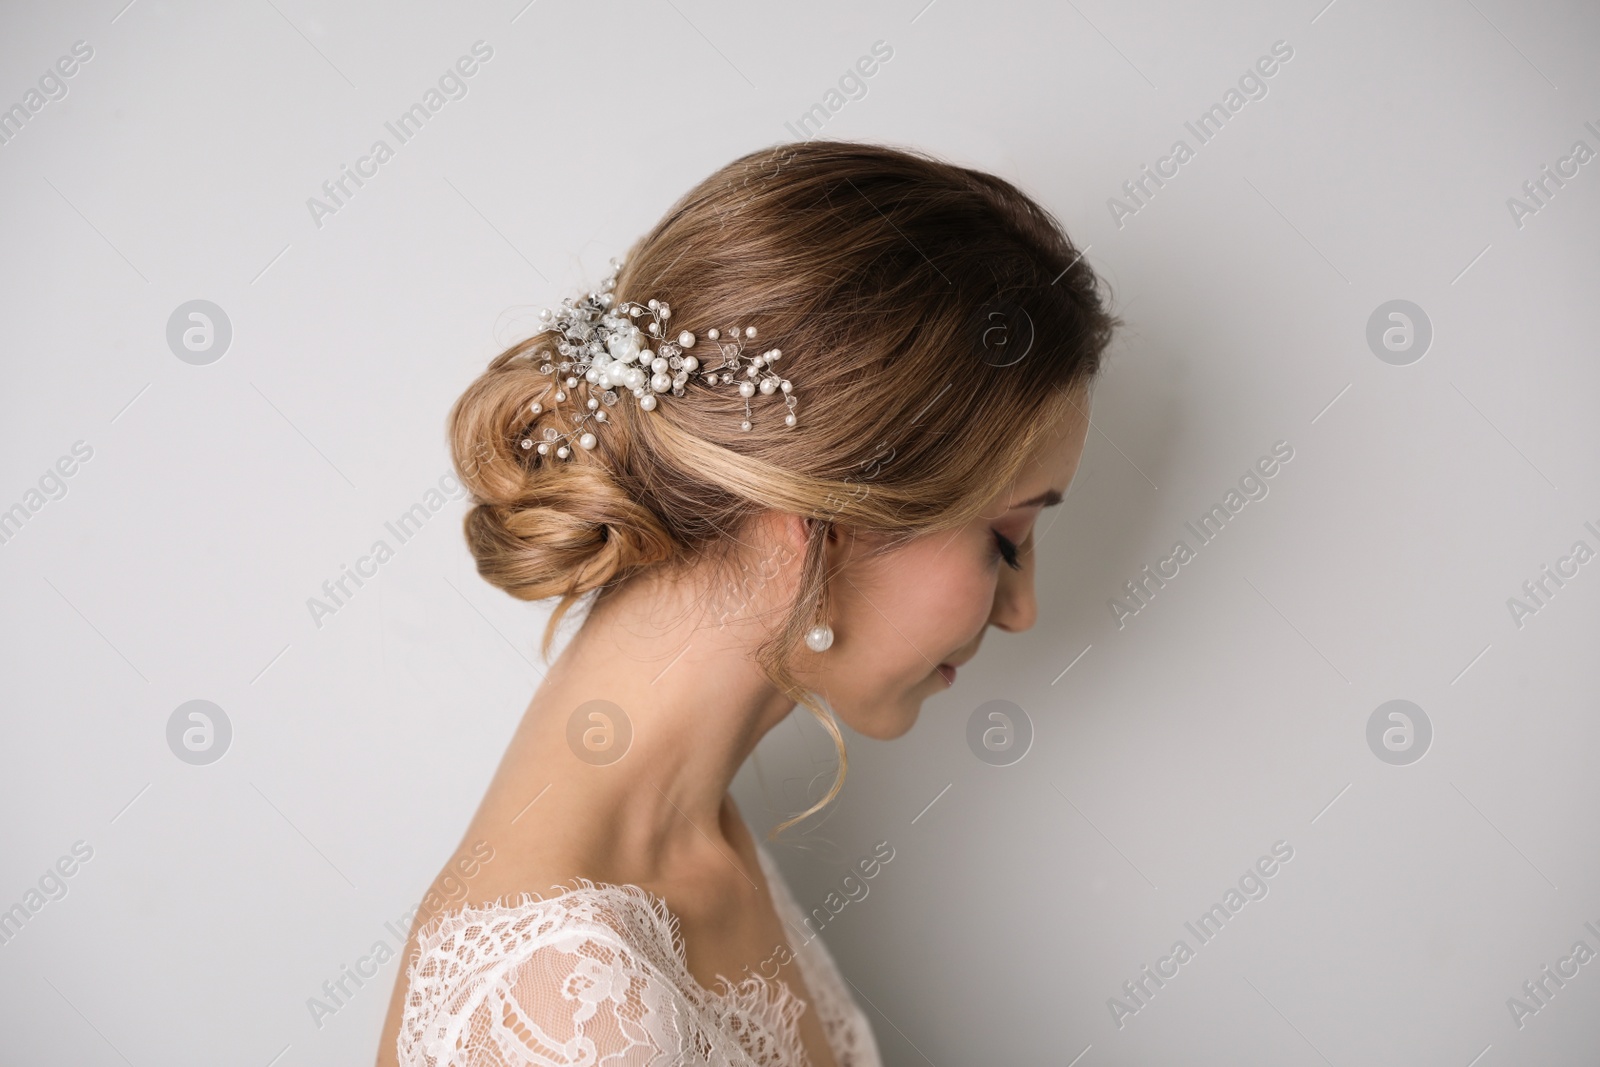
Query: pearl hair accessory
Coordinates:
[600,344]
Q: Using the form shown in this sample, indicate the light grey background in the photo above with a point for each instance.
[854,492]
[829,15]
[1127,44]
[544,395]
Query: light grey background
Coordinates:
[1228,714]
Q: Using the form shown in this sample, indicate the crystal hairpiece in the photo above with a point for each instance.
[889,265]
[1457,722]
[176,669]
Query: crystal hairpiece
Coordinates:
[600,344]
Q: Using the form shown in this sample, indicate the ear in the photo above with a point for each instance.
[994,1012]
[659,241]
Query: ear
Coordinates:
[797,530]
[836,532]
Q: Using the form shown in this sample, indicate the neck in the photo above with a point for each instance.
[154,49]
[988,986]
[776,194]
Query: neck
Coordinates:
[697,705]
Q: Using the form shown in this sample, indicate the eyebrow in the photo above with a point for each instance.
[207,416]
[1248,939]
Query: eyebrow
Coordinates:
[1049,498]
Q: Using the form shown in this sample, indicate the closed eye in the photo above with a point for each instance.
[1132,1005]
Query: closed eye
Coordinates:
[1007,550]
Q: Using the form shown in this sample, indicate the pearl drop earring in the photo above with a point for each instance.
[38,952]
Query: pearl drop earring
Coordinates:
[820,637]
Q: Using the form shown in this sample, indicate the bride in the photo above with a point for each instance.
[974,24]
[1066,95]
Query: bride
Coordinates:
[795,447]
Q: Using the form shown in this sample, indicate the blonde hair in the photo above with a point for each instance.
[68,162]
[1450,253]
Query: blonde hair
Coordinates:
[900,289]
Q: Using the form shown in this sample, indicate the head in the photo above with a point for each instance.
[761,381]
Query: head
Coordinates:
[942,335]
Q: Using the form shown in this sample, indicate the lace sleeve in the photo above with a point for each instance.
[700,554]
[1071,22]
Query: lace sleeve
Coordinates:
[547,984]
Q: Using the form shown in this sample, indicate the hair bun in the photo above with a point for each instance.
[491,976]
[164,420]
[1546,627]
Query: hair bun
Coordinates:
[543,528]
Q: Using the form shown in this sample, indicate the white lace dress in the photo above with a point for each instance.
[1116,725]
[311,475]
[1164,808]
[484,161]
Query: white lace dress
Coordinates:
[595,975]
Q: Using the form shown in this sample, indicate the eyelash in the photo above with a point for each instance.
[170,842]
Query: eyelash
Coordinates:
[1007,551]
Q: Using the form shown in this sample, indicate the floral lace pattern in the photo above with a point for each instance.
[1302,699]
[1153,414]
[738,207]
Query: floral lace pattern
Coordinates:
[595,976]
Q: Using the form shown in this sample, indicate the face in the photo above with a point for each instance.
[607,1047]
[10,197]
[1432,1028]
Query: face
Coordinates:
[903,620]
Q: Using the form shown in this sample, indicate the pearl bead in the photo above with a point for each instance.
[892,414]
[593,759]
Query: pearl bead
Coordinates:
[658,364]
[653,304]
[560,395]
[747,389]
[661,382]
[713,333]
[788,420]
[768,386]
[563,452]
[536,407]
[544,449]
[599,416]
[647,402]
[623,346]
[819,638]
[571,382]
[593,403]
[749,331]
[587,441]
[745,425]
[686,339]
[690,363]
[785,386]
[526,444]
[773,356]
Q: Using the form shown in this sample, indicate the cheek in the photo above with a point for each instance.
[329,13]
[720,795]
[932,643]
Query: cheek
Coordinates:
[945,596]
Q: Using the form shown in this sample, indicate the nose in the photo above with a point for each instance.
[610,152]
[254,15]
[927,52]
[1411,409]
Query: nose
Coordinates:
[1015,607]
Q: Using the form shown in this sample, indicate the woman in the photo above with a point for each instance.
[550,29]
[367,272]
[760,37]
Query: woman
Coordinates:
[851,374]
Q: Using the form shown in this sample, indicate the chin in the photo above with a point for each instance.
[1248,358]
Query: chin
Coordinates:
[891,722]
